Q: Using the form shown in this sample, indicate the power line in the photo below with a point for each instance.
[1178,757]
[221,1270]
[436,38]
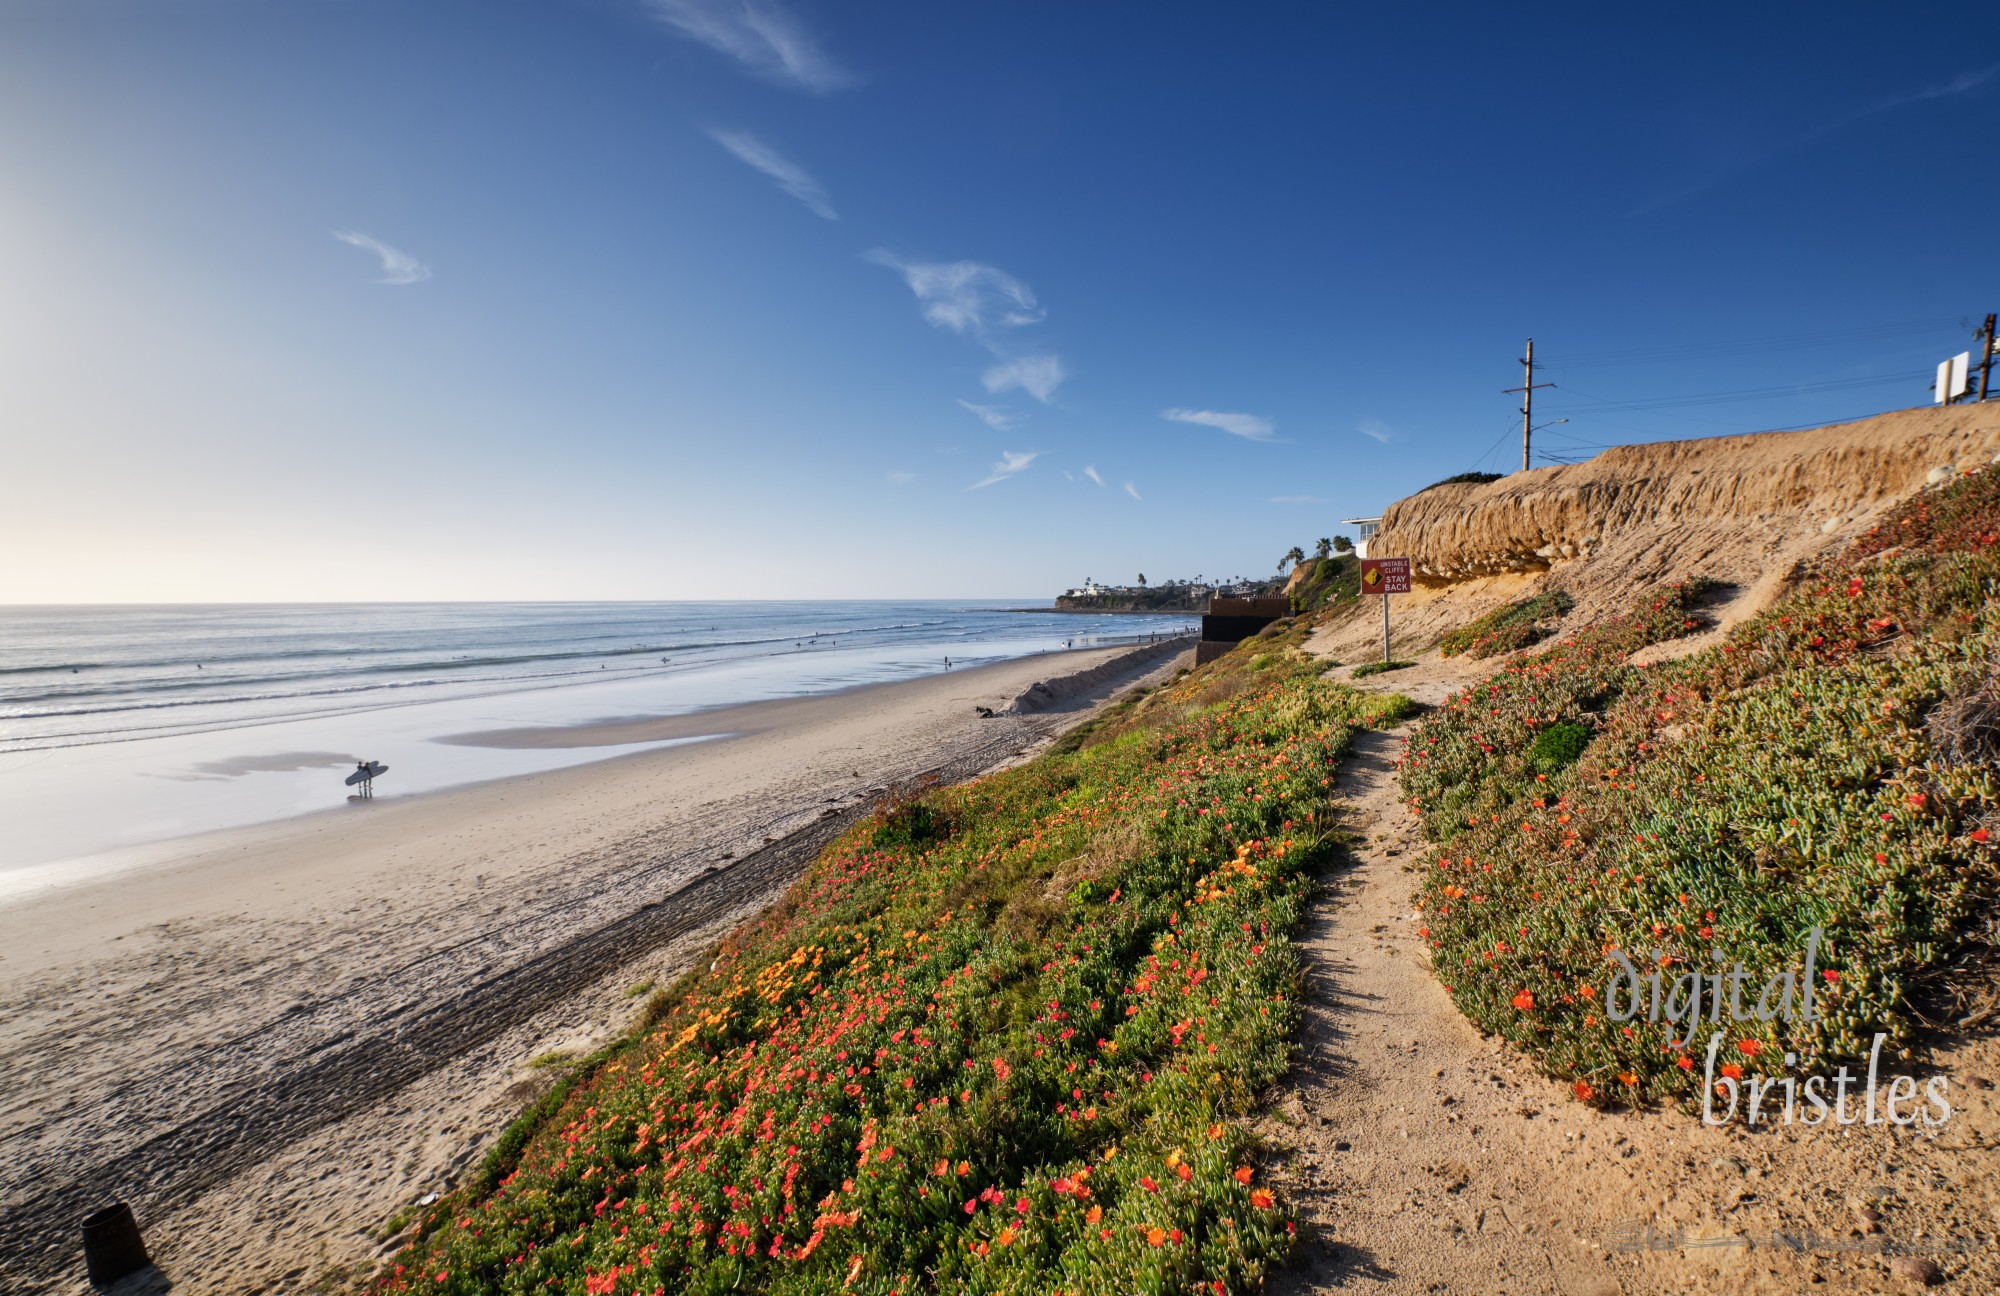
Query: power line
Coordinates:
[1495,446]
[1653,434]
[1751,346]
[1602,405]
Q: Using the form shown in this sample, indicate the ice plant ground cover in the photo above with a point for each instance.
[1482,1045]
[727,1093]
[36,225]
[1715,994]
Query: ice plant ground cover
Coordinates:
[1001,1038]
[1830,764]
[1507,627]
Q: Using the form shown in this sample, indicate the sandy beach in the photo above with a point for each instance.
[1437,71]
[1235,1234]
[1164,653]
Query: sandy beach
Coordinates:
[271,1039]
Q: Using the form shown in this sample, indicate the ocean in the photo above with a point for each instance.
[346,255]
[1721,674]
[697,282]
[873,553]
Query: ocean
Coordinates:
[122,726]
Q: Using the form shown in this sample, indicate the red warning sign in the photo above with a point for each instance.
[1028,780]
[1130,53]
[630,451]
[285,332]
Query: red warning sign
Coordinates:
[1385,575]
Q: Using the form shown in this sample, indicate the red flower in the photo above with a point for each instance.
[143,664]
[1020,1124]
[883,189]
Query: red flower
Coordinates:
[1684,1062]
[1524,1001]
[1749,1048]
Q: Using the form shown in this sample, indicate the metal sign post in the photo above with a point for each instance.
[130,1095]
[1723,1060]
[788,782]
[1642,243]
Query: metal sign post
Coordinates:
[1385,576]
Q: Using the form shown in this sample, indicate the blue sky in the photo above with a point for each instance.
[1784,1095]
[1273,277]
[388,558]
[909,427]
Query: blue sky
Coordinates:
[697,298]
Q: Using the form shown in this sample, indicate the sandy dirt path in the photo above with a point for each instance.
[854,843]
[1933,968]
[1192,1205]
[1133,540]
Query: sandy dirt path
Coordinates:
[273,1043]
[1425,1158]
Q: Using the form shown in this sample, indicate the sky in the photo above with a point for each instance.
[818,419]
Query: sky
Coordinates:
[596,299]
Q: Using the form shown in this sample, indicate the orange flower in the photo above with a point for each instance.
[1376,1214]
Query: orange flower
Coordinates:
[1261,1199]
[1524,1001]
[1243,1174]
[1732,1071]
[1749,1048]
[1156,1236]
[1583,1091]
[1628,1078]
[1006,1236]
[1094,1214]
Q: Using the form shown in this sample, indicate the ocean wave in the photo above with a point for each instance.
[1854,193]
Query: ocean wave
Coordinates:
[305,663]
[464,661]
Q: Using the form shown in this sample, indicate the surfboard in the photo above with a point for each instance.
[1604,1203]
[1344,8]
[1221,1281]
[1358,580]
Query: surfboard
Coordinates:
[374,768]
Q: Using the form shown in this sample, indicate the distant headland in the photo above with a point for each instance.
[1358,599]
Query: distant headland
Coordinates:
[1171,596]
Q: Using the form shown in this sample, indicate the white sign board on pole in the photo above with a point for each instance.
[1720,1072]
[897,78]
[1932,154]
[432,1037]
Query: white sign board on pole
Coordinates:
[1943,386]
[1961,369]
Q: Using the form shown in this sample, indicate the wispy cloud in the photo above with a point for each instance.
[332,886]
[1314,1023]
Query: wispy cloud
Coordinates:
[1297,499]
[397,267]
[1132,490]
[1964,83]
[1090,471]
[1375,429]
[902,478]
[996,417]
[965,296]
[983,302]
[791,177]
[1038,375]
[1011,463]
[761,35]
[1248,426]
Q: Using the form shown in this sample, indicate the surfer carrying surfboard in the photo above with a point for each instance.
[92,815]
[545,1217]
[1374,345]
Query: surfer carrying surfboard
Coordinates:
[364,776]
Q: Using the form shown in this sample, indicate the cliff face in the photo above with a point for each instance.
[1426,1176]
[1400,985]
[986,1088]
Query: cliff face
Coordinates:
[1746,510]
[1826,479]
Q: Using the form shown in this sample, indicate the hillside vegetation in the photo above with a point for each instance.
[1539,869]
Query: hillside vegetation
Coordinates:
[1322,583]
[1507,627]
[1830,763]
[1001,1038]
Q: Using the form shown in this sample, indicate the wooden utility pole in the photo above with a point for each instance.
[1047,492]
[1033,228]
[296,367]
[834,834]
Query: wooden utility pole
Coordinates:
[1527,391]
[1986,363]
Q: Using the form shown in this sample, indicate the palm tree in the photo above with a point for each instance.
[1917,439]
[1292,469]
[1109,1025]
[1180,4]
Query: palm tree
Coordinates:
[1341,544]
[1294,555]
[1323,549]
